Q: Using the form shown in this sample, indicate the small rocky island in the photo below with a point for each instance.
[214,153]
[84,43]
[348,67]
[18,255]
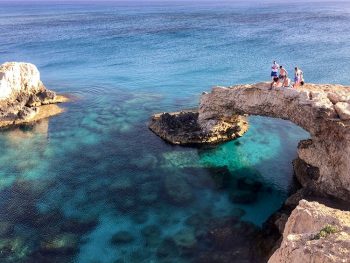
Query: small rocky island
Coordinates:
[314,223]
[183,128]
[23,96]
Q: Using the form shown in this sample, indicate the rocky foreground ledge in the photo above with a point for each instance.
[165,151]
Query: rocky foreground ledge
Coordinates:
[23,96]
[315,233]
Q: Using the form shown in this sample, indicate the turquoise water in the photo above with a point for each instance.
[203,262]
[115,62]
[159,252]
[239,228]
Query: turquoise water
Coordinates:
[95,185]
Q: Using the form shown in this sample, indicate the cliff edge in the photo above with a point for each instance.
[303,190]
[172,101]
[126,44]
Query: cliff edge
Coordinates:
[23,96]
[315,233]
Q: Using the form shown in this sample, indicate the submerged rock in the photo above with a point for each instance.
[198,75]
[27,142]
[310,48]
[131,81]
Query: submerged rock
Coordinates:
[167,249]
[13,250]
[249,184]
[183,128]
[149,192]
[17,208]
[147,162]
[243,197]
[177,189]
[65,243]
[198,177]
[122,184]
[151,235]
[22,95]
[221,176]
[6,229]
[229,240]
[78,226]
[198,220]
[139,217]
[126,203]
[237,212]
[185,239]
[122,237]
[181,159]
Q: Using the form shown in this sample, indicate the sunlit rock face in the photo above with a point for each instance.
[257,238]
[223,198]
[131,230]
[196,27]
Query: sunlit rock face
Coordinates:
[315,233]
[322,110]
[17,78]
[22,93]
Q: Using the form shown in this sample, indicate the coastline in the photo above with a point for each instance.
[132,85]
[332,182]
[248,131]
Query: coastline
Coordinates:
[43,112]
[324,111]
[92,184]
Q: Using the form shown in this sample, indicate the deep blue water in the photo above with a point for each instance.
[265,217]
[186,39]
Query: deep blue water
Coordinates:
[70,183]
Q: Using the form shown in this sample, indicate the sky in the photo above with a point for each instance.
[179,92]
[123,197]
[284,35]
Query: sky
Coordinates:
[192,1]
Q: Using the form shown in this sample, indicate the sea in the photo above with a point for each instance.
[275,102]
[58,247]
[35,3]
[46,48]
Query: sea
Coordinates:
[95,185]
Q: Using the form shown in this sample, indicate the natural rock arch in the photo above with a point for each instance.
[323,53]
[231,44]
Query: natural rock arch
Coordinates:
[322,110]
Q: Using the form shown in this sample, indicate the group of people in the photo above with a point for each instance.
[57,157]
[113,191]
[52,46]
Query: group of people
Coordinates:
[280,77]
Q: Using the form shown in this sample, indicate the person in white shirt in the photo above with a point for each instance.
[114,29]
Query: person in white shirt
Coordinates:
[274,75]
[274,70]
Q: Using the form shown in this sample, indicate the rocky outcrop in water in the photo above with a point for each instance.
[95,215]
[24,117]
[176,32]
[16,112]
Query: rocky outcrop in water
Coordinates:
[23,96]
[315,233]
[183,128]
[322,110]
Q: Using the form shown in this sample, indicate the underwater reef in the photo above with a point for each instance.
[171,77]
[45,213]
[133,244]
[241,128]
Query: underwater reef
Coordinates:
[126,209]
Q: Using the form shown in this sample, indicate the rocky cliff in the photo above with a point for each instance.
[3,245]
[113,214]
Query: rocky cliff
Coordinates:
[323,110]
[315,233]
[23,95]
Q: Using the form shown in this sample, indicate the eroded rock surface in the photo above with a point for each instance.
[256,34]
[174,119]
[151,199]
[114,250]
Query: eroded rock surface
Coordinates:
[315,233]
[22,95]
[322,110]
[183,128]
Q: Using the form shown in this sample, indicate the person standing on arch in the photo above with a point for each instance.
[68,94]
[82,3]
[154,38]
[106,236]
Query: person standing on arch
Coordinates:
[298,77]
[274,75]
[283,73]
[274,70]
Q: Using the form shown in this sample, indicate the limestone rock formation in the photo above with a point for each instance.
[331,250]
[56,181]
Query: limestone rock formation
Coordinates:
[315,233]
[322,110]
[22,95]
[183,128]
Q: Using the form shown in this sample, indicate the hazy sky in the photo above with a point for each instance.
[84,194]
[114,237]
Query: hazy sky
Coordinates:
[191,1]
